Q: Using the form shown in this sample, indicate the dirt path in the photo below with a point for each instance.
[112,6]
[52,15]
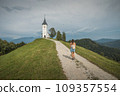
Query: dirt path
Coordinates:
[80,68]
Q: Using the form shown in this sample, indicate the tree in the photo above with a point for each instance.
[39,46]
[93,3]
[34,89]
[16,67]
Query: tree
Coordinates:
[22,44]
[52,32]
[58,36]
[6,47]
[64,36]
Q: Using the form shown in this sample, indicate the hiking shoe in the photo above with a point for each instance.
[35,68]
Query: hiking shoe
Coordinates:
[73,58]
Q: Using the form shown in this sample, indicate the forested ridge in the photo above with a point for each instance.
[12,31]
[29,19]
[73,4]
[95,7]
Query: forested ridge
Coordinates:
[6,47]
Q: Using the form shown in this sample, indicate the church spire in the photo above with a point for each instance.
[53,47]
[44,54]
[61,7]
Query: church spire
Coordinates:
[44,22]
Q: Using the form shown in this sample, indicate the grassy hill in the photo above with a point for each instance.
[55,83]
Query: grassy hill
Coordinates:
[106,64]
[36,60]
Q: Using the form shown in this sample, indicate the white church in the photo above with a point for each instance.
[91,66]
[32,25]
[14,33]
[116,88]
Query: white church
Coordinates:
[44,29]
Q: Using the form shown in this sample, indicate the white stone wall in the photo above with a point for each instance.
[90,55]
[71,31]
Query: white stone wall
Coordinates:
[44,31]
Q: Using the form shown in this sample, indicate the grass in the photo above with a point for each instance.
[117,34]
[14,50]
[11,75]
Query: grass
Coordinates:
[109,66]
[37,60]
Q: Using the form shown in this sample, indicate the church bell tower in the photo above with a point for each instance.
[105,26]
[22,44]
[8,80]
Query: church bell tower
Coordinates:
[44,29]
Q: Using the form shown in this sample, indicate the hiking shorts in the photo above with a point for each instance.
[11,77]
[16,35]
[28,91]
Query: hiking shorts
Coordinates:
[72,50]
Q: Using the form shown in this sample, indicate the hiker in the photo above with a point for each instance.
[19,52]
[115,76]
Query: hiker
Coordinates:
[72,49]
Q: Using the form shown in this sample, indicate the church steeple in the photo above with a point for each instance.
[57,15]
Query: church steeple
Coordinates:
[44,22]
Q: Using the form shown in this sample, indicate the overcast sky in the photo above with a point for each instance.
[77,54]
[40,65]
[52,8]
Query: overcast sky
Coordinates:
[93,19]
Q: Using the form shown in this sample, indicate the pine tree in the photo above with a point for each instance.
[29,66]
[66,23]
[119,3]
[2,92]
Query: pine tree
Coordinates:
[64,36]
[58,36]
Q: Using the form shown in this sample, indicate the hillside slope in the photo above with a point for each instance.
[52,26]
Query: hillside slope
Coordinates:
[108,65]
[36,60]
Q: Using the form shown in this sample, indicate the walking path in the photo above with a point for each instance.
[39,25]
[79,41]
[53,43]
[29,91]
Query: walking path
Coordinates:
[80,68]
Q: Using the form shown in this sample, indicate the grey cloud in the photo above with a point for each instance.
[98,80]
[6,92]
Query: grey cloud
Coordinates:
[87,29]
[8,9]
[19,8]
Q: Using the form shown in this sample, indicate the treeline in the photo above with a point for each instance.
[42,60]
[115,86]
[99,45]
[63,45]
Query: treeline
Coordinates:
[58,34]
[110,53]
[6,47]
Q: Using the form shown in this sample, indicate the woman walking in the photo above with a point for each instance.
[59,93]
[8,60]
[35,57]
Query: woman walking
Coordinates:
[72,48]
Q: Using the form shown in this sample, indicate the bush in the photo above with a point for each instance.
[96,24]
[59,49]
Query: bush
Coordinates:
[6,47]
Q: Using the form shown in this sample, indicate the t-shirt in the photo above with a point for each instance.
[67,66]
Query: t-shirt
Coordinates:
[73,46]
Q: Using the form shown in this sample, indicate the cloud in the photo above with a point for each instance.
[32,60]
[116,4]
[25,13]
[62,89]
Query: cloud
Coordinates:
[6,8]
[71,16]
[18,8]
[87,29]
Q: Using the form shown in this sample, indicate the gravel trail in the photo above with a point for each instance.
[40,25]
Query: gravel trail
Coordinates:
[80,68]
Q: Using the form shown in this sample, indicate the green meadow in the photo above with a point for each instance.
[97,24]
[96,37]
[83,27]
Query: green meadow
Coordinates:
[109,66]
[37,60]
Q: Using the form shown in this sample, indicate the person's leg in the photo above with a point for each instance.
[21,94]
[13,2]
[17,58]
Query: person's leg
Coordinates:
[73,55]
[71,52]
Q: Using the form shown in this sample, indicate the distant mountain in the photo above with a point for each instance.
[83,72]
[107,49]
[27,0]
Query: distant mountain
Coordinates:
[114,44]
[24,39]
[111,53]
[104,40]
[7,38]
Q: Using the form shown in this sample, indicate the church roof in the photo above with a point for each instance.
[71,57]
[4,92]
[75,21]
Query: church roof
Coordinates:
[44,22]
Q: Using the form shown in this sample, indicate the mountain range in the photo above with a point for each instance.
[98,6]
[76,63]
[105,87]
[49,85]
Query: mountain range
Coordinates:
[24,39]
[8,39]
[113,43]
[19,40]
[105,40]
